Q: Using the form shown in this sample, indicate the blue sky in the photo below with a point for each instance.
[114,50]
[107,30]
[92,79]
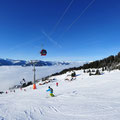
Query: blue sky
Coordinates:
[27,26]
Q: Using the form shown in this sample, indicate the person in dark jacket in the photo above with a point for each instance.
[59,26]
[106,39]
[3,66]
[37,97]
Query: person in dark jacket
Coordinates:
[51,91]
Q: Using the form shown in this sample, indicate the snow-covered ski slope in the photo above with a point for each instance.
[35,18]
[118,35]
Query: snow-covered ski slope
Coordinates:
[86,98]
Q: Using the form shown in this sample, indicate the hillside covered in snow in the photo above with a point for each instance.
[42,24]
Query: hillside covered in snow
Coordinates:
[87,97]
[12,75]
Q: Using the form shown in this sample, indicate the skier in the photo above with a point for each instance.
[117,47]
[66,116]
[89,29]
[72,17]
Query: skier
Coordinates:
[51,91]
[23,83]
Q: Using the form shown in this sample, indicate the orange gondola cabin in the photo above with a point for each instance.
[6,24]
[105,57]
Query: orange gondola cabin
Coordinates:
[43,52]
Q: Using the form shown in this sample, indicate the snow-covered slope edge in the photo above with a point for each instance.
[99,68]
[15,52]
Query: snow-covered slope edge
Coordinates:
[12,75]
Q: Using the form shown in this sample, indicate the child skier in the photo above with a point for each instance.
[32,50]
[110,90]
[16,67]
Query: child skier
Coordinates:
[51,91]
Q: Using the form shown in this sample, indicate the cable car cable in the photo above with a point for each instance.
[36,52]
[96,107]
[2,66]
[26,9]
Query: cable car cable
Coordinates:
[51,40]
[84,10]
[58,22]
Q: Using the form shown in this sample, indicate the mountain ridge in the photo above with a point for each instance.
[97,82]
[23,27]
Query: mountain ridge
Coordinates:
[11,62]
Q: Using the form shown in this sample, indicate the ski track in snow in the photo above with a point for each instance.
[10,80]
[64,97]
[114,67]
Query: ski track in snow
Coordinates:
[86,98]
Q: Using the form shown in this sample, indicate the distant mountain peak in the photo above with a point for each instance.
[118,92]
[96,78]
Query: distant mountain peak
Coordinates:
[11,62]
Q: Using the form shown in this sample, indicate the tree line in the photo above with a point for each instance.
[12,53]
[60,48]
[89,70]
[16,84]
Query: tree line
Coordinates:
[109,63]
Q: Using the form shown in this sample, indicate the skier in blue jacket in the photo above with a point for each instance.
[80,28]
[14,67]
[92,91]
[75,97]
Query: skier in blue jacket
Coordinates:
[51,91]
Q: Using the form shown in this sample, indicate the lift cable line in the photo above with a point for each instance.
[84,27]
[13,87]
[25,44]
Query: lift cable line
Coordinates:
[84,10]
[54,28]
[80,14]
[58,22]
[56,25]
[51,40]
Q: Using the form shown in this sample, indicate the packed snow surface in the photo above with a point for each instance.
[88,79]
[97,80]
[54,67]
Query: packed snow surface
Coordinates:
[86,98]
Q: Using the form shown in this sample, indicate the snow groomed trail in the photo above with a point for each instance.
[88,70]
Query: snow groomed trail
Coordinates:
[86,98]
